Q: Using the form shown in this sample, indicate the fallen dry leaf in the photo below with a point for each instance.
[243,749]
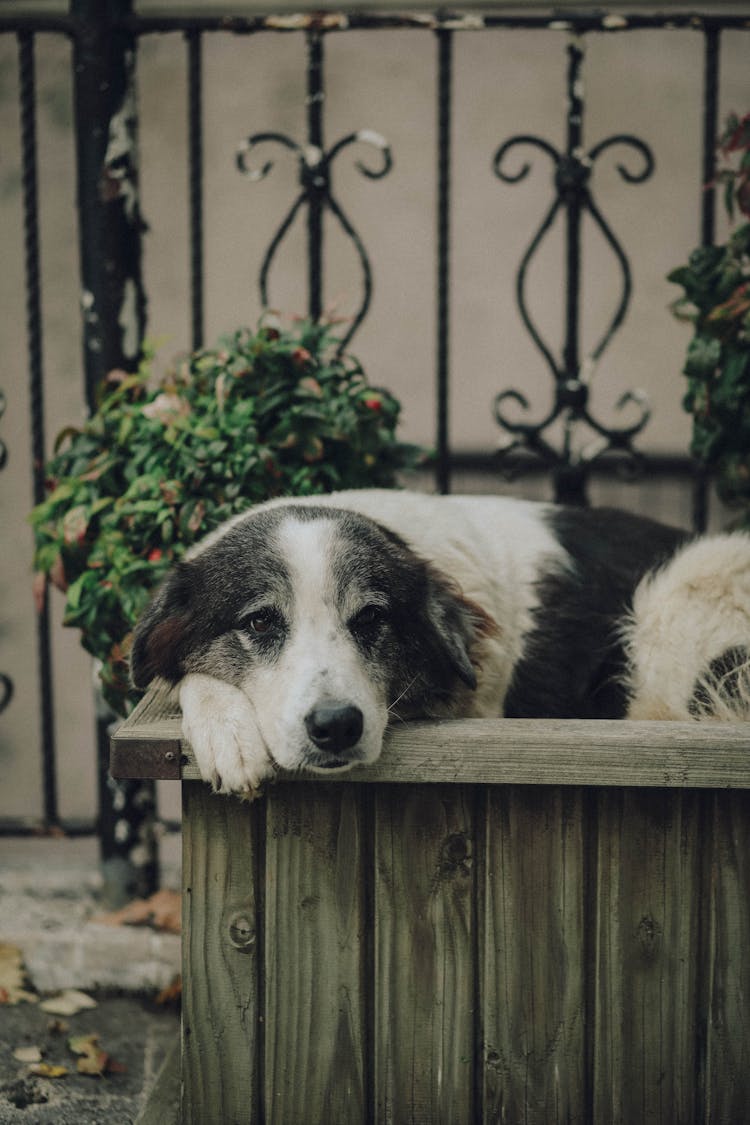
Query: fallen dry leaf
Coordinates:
[12,977]
[28,1054]
[67,1003]
[47,1070]
[172,994]
[91,1058]
[162,911]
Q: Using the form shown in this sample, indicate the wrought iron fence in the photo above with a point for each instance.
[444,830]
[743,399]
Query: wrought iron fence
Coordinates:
[104,39]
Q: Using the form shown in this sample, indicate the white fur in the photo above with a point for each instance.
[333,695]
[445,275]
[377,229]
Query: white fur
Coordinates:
[220,723]
[319,662]
[684,616]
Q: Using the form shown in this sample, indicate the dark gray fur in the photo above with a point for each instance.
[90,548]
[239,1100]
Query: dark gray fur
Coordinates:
[573,664]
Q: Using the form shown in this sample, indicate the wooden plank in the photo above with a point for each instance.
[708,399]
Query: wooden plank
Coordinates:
[221,939]
[533,957]
[315,1067]
[504,751]
[726,1082]
[646,946]
[424,1041]
[149,742]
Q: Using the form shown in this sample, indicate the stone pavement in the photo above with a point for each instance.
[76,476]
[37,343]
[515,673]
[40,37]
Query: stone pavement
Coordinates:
[47,898]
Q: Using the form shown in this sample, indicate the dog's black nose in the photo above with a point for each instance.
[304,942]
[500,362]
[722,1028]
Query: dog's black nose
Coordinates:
[334,727]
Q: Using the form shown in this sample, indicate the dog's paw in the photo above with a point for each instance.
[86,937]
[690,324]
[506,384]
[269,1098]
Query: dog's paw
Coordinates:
[219,722]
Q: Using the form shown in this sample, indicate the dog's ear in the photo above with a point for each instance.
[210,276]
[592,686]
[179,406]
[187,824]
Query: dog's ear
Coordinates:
[161,636]
[458,624]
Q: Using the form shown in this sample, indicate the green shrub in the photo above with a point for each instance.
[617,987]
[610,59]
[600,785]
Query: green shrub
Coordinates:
[265,413]
[716,300]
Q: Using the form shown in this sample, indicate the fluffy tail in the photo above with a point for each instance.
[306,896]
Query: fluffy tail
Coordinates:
[723,691]
[688,635]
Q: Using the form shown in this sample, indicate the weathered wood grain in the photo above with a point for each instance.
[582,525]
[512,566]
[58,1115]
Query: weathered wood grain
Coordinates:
[646,950]
[315,950]
[725,1002]
[424,1038]
[500,751]
[533,1067]
[571,948]
[221,1020]
[448,954]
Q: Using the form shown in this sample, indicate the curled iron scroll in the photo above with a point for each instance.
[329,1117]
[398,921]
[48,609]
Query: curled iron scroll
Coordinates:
[315,189]
[572,173]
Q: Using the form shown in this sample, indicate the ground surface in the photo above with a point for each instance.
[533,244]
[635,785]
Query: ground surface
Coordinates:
[131,1030]
[48,898]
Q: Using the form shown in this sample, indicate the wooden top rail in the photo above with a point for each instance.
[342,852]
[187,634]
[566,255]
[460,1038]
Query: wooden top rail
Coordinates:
[705,755]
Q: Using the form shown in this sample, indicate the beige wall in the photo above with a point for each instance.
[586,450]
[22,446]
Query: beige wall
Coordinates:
[505,82]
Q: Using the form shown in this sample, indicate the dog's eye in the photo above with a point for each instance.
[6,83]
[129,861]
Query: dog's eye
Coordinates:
[261,622]
[367,618]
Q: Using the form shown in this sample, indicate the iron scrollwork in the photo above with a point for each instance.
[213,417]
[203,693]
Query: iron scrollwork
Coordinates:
[573,197]
[315,183]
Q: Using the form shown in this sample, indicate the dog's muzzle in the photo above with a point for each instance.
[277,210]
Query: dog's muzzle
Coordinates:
[334,728]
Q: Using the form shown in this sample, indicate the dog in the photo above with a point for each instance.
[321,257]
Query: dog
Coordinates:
[298,630]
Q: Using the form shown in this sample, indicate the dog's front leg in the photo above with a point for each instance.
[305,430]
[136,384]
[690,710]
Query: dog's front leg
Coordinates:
[219,722]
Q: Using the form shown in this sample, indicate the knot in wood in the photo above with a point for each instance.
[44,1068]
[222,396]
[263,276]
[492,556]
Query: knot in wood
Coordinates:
[648,934]
[455,855]
[241,932]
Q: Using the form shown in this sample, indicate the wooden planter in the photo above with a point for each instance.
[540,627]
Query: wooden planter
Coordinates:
[502,921]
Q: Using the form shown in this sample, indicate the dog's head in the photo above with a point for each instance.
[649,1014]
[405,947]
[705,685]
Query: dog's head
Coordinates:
[327,621]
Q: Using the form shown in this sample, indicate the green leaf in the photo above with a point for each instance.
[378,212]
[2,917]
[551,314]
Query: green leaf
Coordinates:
[703,355]
[74,592]
[731,388]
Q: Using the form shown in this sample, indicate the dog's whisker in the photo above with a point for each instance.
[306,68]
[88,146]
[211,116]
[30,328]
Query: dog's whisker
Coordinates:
[401,696]
[394,714]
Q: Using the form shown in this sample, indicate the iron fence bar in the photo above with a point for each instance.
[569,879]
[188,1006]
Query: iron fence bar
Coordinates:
[69,826]
[110,226]
[114,316]
[573,207]
[55,24]
[317,186]
[6,683]
[30,192]
[711,57]
[711,63]
[659,465]
[444,99]
[195,157]
[343,20]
